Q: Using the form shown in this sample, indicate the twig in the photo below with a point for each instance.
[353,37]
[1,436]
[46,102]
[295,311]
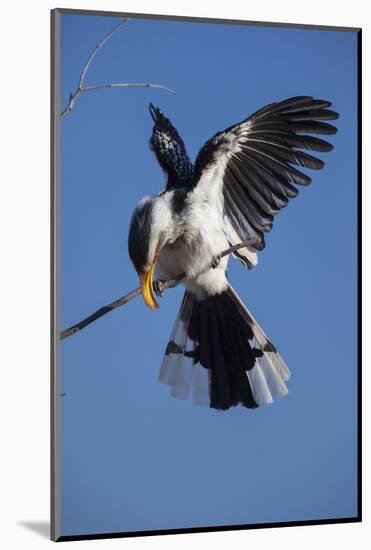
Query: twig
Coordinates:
[96,49]
[81,88]
[127,85]
[134,293]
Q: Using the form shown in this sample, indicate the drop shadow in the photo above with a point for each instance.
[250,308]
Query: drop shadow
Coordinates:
[42,528]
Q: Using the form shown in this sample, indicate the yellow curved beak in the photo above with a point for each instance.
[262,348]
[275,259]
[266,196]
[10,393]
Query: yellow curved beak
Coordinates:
[146,285]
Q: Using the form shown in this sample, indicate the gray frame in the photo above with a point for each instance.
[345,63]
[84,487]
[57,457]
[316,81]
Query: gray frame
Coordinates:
[55,527]
[55,531]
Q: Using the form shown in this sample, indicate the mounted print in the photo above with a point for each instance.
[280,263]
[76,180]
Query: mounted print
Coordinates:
[205,283]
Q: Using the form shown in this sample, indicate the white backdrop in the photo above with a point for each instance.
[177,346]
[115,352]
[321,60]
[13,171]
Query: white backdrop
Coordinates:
[24,230]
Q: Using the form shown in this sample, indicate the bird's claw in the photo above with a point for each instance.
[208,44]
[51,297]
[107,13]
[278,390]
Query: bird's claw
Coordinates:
[216,261]
[158,287]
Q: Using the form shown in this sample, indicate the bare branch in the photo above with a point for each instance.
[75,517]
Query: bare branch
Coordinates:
[71,102]
[95,51]
[134,293]
[81,88]
[127,85]
[99,313]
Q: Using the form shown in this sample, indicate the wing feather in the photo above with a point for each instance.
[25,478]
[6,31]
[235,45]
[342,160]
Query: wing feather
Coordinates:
[252,164]
[256,216]
[277,167]
[287,155]
[281,187]
[290,140]
[239,221]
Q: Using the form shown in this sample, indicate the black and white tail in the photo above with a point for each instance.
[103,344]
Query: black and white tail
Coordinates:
[218,353]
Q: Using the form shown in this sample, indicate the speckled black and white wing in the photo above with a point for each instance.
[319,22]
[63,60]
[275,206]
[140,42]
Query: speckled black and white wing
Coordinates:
[249,168]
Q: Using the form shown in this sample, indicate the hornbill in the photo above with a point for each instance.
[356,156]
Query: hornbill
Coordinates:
[240,180]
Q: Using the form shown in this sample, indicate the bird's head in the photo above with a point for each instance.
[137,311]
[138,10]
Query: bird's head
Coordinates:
[151,228]
[169,149]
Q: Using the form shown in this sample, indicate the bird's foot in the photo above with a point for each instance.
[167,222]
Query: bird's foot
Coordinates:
[159,287]
[216,261]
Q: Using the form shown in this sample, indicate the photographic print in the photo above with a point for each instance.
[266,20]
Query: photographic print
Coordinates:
[205,193]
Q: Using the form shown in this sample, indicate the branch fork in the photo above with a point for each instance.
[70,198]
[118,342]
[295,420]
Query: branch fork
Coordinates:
[81,88]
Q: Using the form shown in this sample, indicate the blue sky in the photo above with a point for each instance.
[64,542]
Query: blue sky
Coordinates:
[134,458]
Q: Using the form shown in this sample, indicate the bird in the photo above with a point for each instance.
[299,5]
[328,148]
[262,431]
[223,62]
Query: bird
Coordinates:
[240,180]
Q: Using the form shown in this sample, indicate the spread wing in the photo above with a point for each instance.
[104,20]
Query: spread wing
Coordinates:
[249,168]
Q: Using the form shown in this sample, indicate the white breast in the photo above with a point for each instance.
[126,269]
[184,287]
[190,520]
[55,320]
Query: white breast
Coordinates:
[201,238]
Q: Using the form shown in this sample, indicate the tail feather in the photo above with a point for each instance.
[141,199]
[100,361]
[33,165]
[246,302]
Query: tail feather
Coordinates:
[219,353]
[176,368]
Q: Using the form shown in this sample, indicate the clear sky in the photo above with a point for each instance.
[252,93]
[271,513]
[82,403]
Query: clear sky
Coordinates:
[133,457]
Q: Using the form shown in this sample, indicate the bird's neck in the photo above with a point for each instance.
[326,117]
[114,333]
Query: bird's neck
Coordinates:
[175,182]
